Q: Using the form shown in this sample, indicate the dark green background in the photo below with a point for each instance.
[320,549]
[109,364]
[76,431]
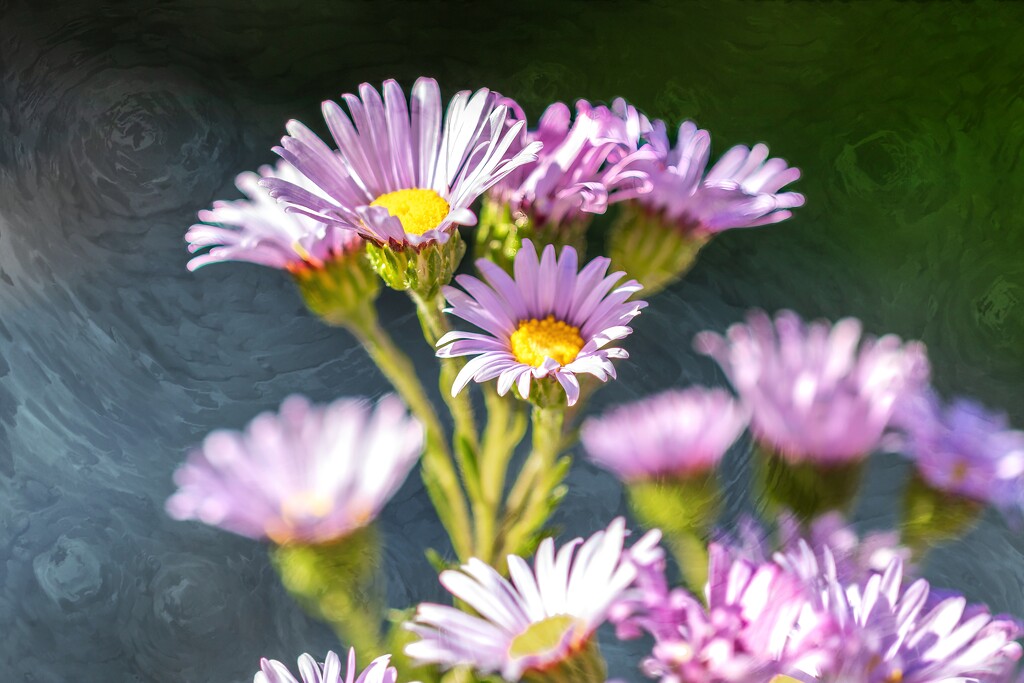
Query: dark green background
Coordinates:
[118,121]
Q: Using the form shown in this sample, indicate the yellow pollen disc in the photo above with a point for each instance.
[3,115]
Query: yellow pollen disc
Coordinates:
[418,210]
[306,505]
[536,340]
[544,636]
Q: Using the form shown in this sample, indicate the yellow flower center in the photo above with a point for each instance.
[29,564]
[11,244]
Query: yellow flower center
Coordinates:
[544,636]
[418,210]
[295,510]
[959,472]
[535,340]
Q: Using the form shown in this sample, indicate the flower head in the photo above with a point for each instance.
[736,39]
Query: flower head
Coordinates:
[582,164]
[674,433]
[816,392]
[549,321]
[534,621]
[740,191]
[964,449]
[308,474]
[886,632]
[397,178]
[855,556]
[273,671]
[755,624]
[260,231]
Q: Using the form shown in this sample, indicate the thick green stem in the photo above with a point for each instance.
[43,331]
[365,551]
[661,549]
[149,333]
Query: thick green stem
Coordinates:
[685,509]
[439,474]
[465,442]
[506,425]
[435,325]
[533,496]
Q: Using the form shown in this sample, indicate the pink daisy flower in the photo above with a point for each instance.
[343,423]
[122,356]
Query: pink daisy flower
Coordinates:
[397,176]
[302,475]
[538,619]
[550,320]
[674,433]
[273,671]
[259,230]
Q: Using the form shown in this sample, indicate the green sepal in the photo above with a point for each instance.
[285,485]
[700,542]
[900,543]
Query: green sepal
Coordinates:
[806,488]
[423,270]
[545,393]
[339,582]
[341,292]
[500,233]
[652,249]
[685,509]
[932,517]
[583,665]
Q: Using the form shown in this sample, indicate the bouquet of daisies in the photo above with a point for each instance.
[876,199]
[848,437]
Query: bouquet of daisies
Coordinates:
[525,337]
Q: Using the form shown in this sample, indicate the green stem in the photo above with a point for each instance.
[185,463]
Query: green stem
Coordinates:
[532,497]
[506,425]
[691,553]
[685,509]
[439,474]
[465,442]
[338,582]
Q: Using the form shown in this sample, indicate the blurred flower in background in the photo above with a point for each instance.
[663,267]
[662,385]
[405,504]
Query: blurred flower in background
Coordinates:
[885,631]
[308,474]
[821,398]
[817,392]
[676,434]
[965,457]
[666,449]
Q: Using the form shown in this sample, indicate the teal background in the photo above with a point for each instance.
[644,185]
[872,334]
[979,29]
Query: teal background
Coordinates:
[119,121]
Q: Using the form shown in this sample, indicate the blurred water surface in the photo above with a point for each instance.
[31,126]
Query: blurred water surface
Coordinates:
[119,121]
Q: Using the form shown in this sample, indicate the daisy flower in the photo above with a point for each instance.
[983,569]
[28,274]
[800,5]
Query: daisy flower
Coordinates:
[303,475]
[273,671]
[753,623]
[539,620]
[259,230]
[549,321]
[398,177]
[816,392]
[740,191]
[855,556]
[964,449]
[888,632]
[583,163]
[676,433]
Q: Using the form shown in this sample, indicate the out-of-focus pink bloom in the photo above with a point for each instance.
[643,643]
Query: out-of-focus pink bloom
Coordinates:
[674,433]
[964,449]
[816,392]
